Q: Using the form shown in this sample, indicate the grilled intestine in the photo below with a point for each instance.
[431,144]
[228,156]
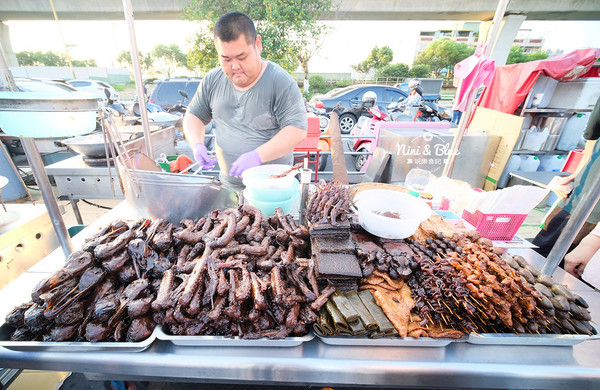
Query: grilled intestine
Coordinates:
[232,273]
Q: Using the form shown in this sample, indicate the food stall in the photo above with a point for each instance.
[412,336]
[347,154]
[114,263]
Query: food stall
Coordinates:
[543,361]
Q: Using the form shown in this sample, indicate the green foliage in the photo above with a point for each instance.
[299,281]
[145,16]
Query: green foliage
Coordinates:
[378,58]
[392,71]
[444,54]
[317,83]
[289,29]
[516,56]
[37,58]
[421,70]
[167,58]
[343,83]
[124,58]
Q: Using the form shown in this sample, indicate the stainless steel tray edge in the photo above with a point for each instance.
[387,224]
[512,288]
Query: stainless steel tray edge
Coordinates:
[389,342]
[222,341]
[527,339]
[72,346]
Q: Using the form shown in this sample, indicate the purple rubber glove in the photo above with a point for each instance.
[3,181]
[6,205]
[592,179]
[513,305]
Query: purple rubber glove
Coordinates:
[245,161]
[201,156]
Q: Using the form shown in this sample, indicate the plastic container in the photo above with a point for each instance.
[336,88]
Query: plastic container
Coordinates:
[11,188]
[577,94]
[266,189]
[513,164]
[551,163]
[534,139]
[502,227]
[410,212]
[542,92]
[268,207]
[573,131]
[530,163]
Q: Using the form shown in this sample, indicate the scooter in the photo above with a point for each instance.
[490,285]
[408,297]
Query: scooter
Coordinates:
[367,127]
[426,112]
[319,111]
[180,108]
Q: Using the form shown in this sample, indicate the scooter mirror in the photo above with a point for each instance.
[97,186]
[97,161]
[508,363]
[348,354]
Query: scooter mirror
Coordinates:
[107,93]
[183,93]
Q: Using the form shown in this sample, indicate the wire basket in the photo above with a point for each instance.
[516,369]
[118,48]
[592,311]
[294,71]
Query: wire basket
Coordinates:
[500,227]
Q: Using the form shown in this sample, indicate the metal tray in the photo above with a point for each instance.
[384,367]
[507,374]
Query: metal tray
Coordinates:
[528,339]
[388,342]
[71,346]
[222,341]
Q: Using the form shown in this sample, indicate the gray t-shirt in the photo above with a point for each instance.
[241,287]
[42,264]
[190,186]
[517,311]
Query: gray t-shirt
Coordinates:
[244,120]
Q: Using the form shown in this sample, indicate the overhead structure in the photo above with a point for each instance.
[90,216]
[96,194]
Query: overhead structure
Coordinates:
[347,10]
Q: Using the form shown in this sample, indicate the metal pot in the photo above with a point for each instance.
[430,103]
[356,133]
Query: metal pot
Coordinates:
[174,196]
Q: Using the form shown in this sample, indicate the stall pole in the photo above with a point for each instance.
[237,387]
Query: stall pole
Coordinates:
[462,127]
[584,208]
[139,81]
[37,168]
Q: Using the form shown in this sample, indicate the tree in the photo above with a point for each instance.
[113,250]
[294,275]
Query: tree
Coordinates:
[444,54]
[168,57]
[378,58]
[124,58]
[397,71]
[37,58]
[289,29]
[516,56]
[421,70]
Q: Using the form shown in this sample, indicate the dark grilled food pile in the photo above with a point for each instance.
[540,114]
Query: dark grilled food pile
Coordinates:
[328,204]
[462,282]
[233,273]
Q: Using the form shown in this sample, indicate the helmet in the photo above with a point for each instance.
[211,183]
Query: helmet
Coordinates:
[369,99]
[413,83]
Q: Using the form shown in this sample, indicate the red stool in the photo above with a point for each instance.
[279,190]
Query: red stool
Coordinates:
[310,145]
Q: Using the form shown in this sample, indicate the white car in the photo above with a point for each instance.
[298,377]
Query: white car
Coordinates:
[96,88]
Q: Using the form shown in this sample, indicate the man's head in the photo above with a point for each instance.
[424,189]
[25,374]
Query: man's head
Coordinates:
[239,48]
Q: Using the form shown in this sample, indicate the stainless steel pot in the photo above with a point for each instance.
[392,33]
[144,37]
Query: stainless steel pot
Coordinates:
[174,196]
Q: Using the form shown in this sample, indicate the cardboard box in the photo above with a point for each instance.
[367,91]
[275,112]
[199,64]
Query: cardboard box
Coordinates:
[506,126]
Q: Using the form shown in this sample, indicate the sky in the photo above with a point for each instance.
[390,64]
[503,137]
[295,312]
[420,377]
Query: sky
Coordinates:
[348,43]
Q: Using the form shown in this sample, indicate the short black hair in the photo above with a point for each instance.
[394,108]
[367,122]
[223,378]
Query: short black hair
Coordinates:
[230,26]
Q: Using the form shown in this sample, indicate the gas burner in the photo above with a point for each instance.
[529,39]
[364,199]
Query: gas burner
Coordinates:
[96,162]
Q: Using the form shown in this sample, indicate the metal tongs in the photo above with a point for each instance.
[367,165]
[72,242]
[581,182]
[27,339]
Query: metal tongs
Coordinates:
[118,152]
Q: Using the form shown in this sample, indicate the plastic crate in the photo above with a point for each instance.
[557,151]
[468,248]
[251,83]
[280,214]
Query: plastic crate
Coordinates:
[501,227]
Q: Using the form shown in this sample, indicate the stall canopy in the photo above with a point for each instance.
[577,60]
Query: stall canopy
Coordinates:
[511,83]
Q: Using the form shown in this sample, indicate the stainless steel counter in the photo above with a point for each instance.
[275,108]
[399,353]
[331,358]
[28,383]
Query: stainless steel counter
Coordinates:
[456,365]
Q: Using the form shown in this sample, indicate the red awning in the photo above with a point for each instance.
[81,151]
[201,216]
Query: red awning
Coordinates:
[512,83]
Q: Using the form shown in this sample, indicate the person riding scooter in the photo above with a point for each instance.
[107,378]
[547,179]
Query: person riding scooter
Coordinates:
[415,98]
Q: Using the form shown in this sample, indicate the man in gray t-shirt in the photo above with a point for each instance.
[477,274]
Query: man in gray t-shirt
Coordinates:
[256,106]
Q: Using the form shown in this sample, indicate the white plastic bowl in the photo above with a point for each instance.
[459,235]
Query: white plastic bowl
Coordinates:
[412,212]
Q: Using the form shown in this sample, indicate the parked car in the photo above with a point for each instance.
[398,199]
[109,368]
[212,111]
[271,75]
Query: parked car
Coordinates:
[166,92]
[41,85]
[350,99]
[96,88]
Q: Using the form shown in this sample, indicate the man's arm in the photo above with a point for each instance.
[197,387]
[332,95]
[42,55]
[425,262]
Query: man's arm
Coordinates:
[281,144]
[193,128]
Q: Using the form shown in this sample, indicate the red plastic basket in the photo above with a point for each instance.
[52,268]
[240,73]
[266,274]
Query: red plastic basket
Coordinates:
[502,227]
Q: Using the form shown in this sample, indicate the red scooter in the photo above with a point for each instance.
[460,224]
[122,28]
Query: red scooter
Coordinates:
[367,127]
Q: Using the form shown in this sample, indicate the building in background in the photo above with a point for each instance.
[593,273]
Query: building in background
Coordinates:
[469,33]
